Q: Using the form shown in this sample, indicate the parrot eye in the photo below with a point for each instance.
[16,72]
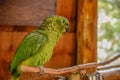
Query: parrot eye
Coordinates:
[64,22]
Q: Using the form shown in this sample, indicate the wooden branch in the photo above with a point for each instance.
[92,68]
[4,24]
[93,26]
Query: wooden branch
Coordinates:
[109,61]
[108,67]
[67,70]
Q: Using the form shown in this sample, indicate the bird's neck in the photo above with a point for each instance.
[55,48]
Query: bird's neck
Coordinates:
[53,36]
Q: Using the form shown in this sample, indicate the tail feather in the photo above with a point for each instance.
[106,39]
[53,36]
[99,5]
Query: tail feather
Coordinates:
[15,76]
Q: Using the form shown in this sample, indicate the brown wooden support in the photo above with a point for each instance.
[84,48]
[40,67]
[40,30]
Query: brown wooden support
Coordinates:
[86,31]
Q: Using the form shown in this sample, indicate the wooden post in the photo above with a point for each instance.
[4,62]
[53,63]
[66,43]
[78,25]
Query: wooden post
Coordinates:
[86,32]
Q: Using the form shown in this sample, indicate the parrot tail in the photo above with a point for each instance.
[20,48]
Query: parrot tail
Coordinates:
[15,76]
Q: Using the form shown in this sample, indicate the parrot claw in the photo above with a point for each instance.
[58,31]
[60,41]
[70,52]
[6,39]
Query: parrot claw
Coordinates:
[41,70]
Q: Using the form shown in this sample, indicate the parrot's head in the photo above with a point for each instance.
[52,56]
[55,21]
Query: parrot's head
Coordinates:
[56,23]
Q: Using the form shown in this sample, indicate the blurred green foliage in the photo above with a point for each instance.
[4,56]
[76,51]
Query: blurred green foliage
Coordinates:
[108,29]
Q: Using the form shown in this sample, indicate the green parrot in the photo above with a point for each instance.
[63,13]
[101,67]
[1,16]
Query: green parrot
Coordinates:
[37,47]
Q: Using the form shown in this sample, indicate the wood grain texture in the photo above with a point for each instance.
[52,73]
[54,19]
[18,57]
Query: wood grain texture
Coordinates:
[86,31]
[68,8]
[25,12]
[9,42]
[18,28]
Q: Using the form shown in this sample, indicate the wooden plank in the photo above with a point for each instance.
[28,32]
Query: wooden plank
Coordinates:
[8,44]
[67,8]
[86,31]
[17,28]
[25,12]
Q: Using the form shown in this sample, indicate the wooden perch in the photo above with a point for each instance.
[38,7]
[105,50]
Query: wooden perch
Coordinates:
[108,67]
[67,70]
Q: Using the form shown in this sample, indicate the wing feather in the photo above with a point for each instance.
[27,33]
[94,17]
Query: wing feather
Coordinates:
[28,47]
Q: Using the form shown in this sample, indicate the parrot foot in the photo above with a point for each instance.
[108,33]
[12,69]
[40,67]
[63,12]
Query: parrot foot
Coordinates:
[41,69]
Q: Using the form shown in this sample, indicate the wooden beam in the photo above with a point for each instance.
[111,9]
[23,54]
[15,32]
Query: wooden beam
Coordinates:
[25,12]
[86,31]
[17,28]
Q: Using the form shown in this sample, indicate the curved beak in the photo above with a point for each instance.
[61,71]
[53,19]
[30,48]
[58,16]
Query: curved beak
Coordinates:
[66,29]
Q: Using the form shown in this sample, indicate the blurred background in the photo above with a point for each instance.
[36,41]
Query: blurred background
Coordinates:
[108,33]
